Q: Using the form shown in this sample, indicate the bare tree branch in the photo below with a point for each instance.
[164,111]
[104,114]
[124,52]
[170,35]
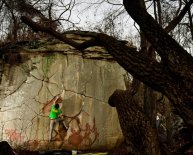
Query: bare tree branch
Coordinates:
[36,27]
[169,50]
[176,20]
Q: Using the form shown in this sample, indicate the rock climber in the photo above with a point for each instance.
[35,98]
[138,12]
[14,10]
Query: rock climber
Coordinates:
[55,116]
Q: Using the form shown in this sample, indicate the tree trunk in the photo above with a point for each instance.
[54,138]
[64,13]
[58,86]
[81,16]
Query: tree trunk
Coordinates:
[140,137]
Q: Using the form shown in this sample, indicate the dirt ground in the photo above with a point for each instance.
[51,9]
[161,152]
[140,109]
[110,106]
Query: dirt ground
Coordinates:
[21,152]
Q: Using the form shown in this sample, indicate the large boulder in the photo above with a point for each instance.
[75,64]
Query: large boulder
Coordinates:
[34,72]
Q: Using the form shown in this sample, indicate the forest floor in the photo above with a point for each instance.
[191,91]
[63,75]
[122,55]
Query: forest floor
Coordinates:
[59,152]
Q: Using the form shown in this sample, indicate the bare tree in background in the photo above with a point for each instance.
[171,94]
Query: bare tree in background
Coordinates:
[42,11]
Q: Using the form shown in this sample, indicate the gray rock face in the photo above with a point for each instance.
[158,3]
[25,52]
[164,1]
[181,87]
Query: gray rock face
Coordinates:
[30,77]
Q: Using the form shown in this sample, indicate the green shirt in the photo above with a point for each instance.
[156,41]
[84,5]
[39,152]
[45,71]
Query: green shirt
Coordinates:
[54,112]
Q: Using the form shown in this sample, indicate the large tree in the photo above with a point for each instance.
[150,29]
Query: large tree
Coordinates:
[172,75]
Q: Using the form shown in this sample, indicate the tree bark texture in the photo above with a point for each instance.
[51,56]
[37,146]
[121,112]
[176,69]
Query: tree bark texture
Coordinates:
[140,137]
